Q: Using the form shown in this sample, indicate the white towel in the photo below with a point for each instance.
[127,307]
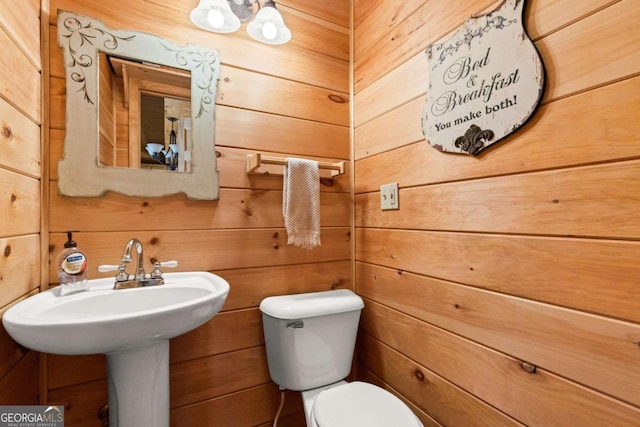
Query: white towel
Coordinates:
[301,202]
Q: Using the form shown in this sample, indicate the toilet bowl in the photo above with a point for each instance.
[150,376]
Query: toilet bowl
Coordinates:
[310,339]
[356,404]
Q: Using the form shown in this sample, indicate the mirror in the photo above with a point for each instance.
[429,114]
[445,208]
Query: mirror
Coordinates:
[97,158]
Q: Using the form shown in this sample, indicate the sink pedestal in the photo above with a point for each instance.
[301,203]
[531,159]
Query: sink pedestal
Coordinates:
[139,386]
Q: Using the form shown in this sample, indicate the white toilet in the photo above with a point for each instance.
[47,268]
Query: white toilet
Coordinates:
[310,340]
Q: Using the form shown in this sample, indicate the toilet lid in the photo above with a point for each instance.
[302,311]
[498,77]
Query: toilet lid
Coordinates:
[360,404]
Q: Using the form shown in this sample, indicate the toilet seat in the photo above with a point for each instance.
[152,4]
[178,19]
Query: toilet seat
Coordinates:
[359,404]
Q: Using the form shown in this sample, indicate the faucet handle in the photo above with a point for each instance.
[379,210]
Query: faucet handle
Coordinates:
[157,273]
[168,264]
[105,268]
[122,273]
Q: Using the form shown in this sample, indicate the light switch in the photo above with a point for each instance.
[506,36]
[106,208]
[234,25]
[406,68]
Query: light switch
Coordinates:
[389,197]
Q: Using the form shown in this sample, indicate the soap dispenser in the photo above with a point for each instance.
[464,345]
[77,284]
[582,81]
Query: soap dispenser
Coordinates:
[72,268]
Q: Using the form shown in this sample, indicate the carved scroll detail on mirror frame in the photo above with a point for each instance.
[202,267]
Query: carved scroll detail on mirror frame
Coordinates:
[79,174]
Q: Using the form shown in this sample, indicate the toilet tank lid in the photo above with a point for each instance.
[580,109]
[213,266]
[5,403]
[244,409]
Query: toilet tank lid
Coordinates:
[300,306]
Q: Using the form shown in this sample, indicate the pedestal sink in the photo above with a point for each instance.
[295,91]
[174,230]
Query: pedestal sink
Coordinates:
[131,326]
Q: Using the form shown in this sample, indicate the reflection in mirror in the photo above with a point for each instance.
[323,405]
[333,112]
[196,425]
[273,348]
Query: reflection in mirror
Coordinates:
[164,133]
[153,103]
[139,109]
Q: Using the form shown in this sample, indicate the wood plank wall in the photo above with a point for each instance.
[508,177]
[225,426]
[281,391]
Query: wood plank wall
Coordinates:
[20,187]
[506,289]
[274,100]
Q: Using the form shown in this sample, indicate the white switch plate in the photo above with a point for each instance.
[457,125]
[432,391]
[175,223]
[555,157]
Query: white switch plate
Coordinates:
[389,197]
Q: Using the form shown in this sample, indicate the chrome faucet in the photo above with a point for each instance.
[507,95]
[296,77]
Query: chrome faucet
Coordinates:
[126,257]
[139,279]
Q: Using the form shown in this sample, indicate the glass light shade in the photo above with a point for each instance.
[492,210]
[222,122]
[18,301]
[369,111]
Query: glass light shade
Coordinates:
[268,27]
[215,16]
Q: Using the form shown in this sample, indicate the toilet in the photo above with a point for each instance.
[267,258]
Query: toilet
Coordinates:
[310,340]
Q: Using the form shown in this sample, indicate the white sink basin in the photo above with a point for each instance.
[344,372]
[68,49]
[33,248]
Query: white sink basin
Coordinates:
[131,326]
[104,320]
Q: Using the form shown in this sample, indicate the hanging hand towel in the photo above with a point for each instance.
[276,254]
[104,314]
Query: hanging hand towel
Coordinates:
[301,202]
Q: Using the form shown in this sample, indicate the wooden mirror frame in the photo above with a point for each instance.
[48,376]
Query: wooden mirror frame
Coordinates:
[79,174]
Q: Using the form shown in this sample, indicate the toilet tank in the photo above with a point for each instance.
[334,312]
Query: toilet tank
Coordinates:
[310,337]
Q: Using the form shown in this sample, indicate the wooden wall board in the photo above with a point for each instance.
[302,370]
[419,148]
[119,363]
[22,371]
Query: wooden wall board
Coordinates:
[429,23]
[231,410]
[250,286]
[320,32]
[226,332]
[541,397]
[443,401]
[362,9]
[213,376]
[244,128]
[56,148]
[383,19]
[19,19]
[25,97]
[19,142]
[337,11]
[19,204]
[597,276]
[403,84]
[239,208]
[254,91]
[568,202]
[207,250]
[10,351]
[390,130]
[82,402]
[22,251]
[66,371]
[610,58]
[547,16]
[20,385]
[295,419]
[57,96]
[596,351]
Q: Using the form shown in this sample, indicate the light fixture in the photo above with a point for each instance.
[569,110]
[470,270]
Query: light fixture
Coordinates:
[216,16]
[172,134]
[225,16]
[268,26]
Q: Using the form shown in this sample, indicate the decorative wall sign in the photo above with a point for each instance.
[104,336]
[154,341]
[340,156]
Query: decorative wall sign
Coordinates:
[484,82]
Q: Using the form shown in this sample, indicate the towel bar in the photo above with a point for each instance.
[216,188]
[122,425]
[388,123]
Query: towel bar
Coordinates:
[258,164]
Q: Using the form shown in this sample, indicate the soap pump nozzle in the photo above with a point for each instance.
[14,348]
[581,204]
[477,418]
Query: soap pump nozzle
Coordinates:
[70,243]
